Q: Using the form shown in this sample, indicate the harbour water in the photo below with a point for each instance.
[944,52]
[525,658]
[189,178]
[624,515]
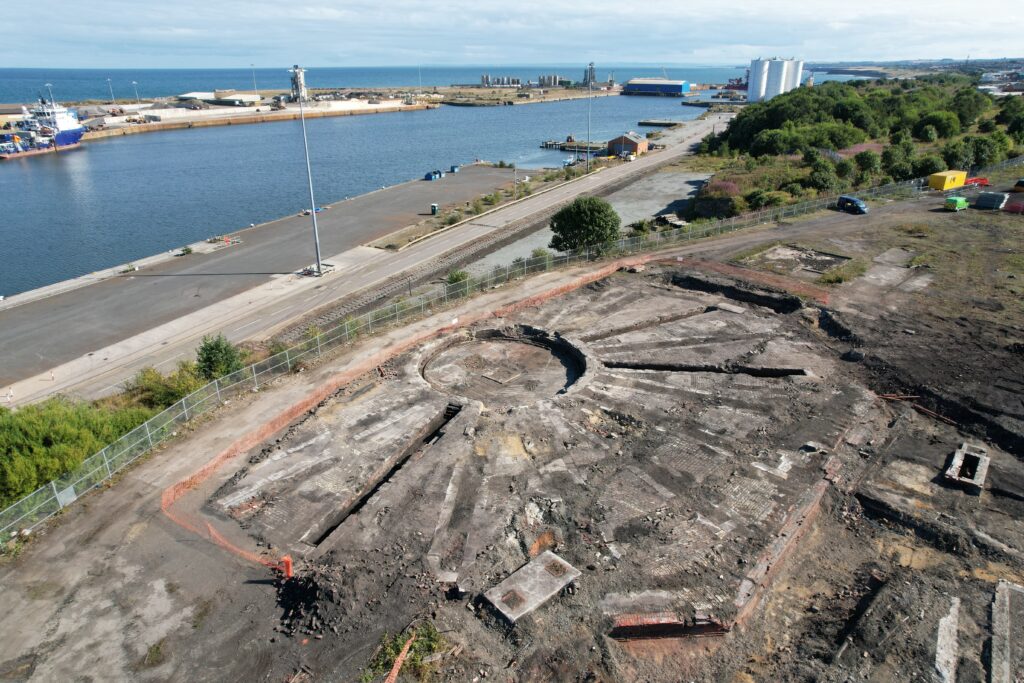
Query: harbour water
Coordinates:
[125,198]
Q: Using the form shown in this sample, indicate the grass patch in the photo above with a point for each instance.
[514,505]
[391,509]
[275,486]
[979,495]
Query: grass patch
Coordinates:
[203,609]
[155,655]
[428,641]
[851,270]
[917,230]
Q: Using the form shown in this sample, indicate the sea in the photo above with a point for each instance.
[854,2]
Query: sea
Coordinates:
[125,198]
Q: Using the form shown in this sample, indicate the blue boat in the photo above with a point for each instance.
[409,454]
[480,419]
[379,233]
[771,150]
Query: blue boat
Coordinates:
[48,127]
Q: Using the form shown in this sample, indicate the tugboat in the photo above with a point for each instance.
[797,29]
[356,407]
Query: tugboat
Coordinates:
[48,127]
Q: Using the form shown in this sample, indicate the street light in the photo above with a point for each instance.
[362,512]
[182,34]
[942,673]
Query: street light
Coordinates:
[254,88]
[111,87]
[590,99]
[137,100]
[309,177]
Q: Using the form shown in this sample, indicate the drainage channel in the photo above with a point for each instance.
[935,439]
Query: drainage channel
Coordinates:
[434,431]
[720,369]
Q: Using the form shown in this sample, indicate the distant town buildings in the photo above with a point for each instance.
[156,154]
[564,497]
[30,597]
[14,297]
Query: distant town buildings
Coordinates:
[551,80]
[771,77]
[500,81]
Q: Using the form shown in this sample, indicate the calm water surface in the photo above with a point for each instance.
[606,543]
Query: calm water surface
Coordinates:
[117,200]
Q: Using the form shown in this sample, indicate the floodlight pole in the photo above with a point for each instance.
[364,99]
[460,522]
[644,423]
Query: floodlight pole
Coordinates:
[309,177]
[590,98]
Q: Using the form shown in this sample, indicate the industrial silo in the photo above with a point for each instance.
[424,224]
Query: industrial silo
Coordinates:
[794,75]
[757,80]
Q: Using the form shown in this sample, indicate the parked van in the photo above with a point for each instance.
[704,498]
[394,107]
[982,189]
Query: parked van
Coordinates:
[956,204]
[851,205]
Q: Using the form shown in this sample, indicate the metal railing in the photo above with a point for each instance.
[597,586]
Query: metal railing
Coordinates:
[46,501]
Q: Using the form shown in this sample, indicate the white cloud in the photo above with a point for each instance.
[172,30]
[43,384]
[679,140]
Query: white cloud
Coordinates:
[123,33]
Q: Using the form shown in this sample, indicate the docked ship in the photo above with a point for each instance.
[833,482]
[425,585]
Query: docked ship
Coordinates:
[46,128]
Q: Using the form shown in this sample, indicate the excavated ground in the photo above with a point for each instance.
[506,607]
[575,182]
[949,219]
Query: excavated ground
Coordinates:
[670,435]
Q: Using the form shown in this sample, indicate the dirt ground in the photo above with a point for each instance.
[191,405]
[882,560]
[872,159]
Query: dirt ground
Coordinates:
[750,481]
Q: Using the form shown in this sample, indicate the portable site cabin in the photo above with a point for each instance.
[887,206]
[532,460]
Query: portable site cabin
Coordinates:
[947,180]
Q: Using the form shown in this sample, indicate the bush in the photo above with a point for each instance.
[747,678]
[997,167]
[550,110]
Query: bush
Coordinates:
[478,206]
[928,134]
[823,177]
[760,199]
[928,164]
[586,221]
[868,162]
[43,441]
[946,124]
[845,168]
[152,389]
[542,255]
[217,357]
[457,276]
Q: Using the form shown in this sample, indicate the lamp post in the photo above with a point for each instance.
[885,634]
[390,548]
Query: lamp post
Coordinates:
[309,177]
[590,99]
[137,100]
[110,87]
[254,88]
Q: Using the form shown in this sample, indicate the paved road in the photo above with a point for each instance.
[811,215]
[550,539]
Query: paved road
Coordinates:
[40,335]
[98,336]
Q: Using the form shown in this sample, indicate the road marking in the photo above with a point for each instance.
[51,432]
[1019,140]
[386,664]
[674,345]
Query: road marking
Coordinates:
[169,360]
[239,329]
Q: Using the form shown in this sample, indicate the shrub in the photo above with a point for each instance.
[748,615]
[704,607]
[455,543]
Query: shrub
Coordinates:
[868,162]
[457,276]
[928,134]
[478,206]
[217,357]
[928,164]
[152,389]
[43,441]
[845,168]
[946,124]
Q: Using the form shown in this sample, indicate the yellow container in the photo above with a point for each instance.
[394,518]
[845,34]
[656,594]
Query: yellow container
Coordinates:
[947,180]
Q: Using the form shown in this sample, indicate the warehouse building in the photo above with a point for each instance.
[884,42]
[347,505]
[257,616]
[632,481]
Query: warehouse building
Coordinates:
[771,77]
[630,143]
[656,86]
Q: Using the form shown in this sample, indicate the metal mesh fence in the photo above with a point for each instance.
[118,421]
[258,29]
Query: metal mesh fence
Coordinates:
[46,501]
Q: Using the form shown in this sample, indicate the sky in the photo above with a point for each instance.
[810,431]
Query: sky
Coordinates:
[232,33]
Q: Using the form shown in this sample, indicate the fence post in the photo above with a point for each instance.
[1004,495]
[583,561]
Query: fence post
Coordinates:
[184,407]
[149,435]
[106,462]
[216,385]
[318,345]
[53,486]
[287,359]
[255,382]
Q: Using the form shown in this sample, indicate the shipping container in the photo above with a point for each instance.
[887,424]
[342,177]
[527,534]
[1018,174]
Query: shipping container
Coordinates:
[947,180]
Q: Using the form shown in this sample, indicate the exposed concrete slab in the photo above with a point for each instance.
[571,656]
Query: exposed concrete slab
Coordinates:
[946,645]
[531,586]
[1007,658]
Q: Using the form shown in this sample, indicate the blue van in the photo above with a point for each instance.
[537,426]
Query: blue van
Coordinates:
[851,205]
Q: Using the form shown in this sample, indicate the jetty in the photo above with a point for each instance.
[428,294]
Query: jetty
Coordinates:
[574,145]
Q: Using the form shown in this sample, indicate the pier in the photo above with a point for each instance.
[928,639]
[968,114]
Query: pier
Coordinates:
[575,146]
[660,123]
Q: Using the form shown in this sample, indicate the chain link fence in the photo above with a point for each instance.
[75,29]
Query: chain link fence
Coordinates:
[46,501]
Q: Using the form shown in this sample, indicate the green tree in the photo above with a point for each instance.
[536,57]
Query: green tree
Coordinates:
[958,154]
[823,177]
[587,221]
[217,357]
[868,162]
[968,104]
[845,168]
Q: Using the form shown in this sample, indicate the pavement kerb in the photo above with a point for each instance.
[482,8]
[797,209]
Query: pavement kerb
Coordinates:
[285,417]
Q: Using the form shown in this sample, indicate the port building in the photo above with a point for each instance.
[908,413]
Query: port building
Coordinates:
[772,77]
[656,86]
[630,143]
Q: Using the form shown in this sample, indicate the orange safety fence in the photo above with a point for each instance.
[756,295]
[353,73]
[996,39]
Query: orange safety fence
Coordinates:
[399,661]
[172,494]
